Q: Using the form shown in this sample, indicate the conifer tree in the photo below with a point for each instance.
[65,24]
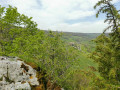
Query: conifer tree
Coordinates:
[107,52]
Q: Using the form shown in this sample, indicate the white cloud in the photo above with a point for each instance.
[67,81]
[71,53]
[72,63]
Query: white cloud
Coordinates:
[85,27]
[115,1]
[80,14]
[24,6]
[52,14]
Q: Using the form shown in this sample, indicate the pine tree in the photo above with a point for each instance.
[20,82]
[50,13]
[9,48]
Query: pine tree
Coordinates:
[107,52]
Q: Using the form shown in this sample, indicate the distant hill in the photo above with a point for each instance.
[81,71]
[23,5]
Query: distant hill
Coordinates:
[83,36]
[82,40]
[87,35]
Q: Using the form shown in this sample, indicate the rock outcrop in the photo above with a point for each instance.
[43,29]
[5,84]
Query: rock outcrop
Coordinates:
[16,75]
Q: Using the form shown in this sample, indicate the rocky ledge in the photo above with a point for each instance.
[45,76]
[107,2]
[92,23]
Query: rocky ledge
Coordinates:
[16,75]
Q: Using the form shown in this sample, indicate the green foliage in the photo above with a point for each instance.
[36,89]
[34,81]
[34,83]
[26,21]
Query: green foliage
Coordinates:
[11,25]
[112,15]
[62,63]
[100,83]
[78,80]
[20,37]
[107,52]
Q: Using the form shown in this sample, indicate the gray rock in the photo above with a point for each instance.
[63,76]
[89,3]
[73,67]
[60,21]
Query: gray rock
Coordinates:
[15,74]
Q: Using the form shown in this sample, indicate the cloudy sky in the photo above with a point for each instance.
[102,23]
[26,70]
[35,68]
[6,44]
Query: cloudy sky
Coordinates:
[61,15]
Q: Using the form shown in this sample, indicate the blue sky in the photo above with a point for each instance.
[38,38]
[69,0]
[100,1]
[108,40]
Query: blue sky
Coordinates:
[62,15]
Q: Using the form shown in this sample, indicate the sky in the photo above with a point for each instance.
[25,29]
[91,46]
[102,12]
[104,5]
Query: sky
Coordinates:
[61,15]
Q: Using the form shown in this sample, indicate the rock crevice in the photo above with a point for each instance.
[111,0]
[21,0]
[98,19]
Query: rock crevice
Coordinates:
[15,74]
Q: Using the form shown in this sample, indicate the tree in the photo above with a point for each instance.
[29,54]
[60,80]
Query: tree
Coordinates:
[12,26]
[107,52]
[19,36]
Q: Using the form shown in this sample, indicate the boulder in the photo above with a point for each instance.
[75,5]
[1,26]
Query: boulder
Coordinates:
[16,74]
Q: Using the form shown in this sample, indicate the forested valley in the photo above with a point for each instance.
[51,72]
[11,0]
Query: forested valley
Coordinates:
[72,61]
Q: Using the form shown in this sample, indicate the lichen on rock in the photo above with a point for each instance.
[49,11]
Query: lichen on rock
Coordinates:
[15,74]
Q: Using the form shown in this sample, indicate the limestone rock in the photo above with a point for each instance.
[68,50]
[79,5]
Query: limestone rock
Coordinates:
[15,74]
